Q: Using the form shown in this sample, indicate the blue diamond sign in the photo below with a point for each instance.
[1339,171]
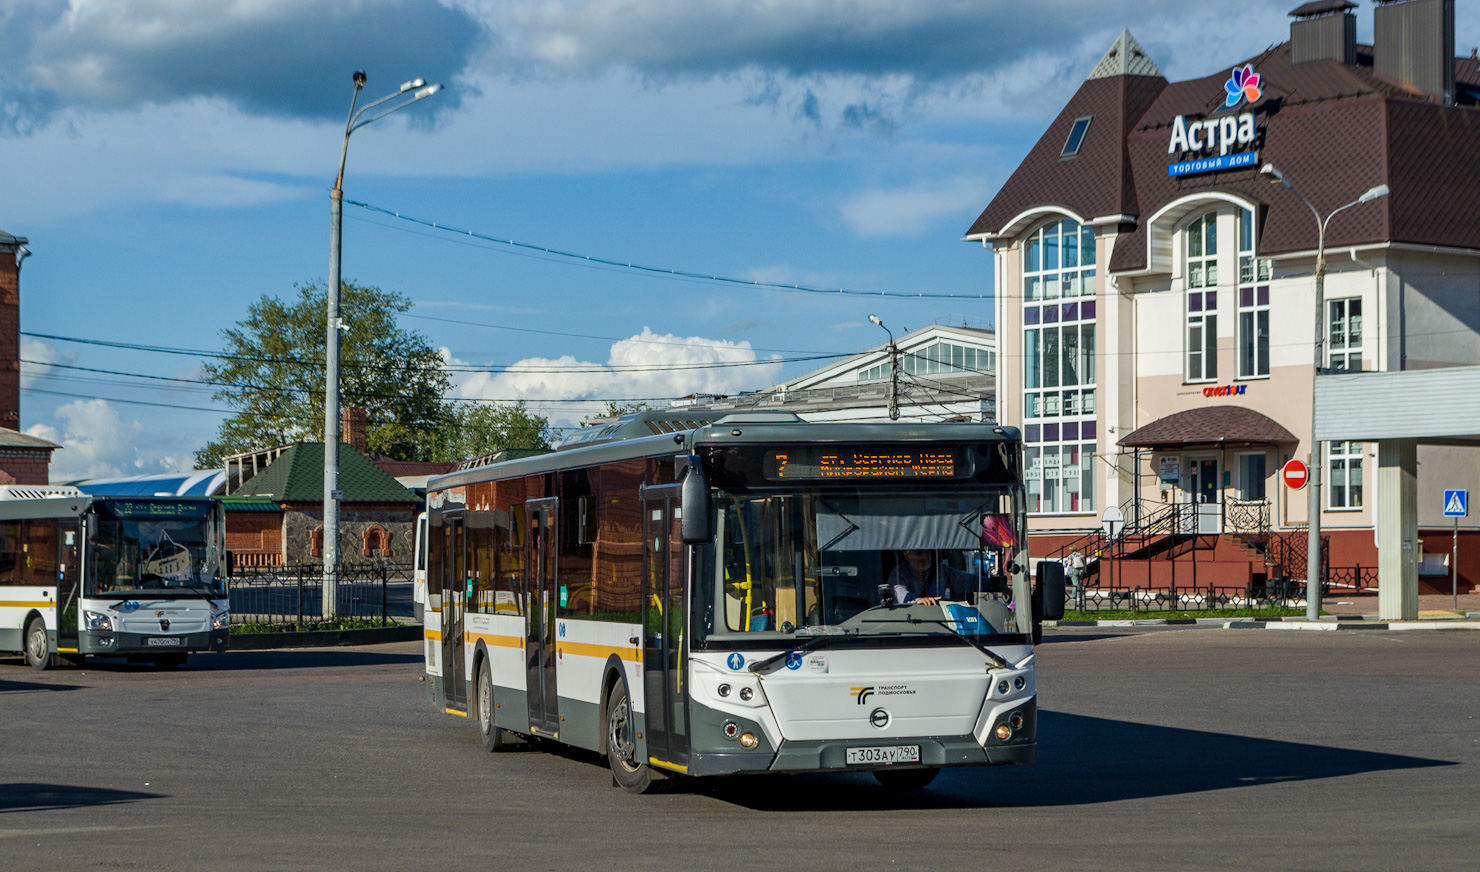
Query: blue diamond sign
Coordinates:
[1456,504]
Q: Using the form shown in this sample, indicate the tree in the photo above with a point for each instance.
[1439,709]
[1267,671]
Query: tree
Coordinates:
[615,409]
[476,429]
[272,371]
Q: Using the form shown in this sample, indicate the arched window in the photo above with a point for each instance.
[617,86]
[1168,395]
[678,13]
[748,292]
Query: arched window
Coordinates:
[1059,379]
[375,542]
[1202,298]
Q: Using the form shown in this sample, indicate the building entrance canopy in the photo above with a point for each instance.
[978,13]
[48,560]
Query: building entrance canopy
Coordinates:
[1211,425]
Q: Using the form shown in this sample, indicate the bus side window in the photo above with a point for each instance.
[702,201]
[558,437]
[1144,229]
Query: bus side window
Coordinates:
[10,539]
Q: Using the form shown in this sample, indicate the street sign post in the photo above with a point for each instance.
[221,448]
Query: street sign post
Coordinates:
[1456,506]
[1113,520]
[1295,474]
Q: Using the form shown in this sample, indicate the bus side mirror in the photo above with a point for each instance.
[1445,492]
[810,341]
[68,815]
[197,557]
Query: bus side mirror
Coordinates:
[694,496]
[1049,596]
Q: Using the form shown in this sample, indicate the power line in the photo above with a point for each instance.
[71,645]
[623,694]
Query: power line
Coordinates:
[660,271]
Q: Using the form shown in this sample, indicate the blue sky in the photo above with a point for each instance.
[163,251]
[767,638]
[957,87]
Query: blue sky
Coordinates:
[170,162]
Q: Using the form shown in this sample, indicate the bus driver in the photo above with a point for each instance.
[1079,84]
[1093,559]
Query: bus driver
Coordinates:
[918,578]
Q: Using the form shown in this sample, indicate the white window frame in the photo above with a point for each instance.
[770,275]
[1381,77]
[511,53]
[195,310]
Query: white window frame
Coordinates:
[1348,350]
[1344,459]
[1253,283]
[1200,243]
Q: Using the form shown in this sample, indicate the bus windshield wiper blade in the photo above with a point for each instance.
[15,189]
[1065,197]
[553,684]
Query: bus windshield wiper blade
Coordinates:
[988,653]
[818,641]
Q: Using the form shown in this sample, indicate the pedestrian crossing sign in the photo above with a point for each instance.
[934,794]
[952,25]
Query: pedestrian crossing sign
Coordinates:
[1456,503]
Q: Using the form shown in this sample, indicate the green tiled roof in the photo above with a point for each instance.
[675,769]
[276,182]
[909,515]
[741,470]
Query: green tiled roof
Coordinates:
[297,476]
[236,503]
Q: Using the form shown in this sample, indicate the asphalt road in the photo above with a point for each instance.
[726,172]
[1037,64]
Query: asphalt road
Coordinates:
[1159,749]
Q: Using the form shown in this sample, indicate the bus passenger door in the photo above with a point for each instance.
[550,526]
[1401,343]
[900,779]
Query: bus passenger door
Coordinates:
[539,613]
[454,602]
[665,616]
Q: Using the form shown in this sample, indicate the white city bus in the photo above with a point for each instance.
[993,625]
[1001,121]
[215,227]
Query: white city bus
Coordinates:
[701,594]
[134,577]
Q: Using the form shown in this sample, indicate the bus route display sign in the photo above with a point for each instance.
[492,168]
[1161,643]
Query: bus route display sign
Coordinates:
[812,463]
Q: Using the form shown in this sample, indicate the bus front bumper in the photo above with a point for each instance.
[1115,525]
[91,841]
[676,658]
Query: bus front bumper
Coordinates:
[117,644]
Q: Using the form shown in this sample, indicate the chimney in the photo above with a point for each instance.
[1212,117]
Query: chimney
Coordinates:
[1324,30]
[12,252]
[352,427]
[1413,44]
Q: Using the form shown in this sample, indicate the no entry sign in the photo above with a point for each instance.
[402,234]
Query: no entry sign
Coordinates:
[1295,474]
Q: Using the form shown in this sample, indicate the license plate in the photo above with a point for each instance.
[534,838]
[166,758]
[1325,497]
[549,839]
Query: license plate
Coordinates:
[164,641]
[885,754]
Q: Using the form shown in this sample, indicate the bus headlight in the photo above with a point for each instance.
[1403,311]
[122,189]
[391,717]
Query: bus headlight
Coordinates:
[221,621]
[96,621]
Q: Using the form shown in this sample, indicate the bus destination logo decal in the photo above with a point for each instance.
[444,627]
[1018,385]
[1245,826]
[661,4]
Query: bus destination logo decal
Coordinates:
[861,694]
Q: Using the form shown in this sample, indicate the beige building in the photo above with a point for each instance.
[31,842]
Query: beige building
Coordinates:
[1156,294]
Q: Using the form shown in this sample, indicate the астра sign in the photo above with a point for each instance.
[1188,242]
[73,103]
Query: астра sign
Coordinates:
[1223,134]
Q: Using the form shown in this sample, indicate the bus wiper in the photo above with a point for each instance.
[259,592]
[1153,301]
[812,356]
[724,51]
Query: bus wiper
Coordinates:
[821,638]
[849,531]
[988,653]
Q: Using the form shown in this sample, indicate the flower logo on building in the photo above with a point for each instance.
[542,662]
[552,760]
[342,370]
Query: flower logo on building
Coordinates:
[1242,85]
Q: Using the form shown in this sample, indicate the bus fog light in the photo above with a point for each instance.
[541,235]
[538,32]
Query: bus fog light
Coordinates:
[731,730]
[1019,682]
[748,740]
[746,694]
[1002,686]
[1017,720]
[1004,732]
[724,690]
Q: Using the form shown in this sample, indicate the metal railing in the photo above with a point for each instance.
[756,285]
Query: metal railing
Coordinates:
[293,595]
[1205,598]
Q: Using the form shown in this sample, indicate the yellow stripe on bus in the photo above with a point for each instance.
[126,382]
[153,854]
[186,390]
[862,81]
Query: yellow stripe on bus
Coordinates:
[434,634]
[21,604]
[497,640]
[67,650]
[674,766]
[456,712]
[603,651]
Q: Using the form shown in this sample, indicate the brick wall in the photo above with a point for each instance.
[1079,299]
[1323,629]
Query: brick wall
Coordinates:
[26,467]
[10,345]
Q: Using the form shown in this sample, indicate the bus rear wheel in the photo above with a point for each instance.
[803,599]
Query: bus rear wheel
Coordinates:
[494,738]
[38,647]
[905,779]
[630,773]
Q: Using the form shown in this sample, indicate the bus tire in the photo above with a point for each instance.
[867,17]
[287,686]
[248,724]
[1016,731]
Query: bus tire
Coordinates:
[631,774]
[905,779]
[38,647]
[494,739]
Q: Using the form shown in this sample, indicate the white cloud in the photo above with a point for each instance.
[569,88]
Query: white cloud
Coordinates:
[95,441]
[910,211]
[36,357]
[647,365]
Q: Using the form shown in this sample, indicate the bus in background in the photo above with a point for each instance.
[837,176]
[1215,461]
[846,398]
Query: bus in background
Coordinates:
[713,593]
[135,577]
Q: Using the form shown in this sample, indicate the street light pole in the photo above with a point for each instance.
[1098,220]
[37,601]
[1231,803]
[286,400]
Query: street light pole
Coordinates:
[1313,574]
[334,324]
[893,370]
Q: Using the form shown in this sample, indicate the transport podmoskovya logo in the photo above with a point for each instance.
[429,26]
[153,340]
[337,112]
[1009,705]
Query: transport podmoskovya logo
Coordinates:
[736,660]
[861,694]
[1242,85]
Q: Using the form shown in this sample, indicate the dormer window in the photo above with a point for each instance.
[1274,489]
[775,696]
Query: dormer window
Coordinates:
[1076,136]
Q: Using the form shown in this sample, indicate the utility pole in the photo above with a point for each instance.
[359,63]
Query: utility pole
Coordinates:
[893,370]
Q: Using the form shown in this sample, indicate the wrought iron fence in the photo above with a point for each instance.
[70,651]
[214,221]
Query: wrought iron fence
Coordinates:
[294,595]
[1352,578]
[1185,599]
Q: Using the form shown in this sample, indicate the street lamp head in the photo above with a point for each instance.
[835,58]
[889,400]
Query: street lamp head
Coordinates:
[360,79]
[428,91]
[414,83]
[1272,173]
[875,319]
[1373,194]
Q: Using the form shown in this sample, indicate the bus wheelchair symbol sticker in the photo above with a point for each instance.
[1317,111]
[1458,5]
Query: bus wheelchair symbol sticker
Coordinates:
[794,660]
[736,660]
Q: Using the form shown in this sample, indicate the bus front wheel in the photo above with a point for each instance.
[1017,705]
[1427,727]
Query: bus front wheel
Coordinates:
[494,738]
[905,779]
[630,773]
[38,647]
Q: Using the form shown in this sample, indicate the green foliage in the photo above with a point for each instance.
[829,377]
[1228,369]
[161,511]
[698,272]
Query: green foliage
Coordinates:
[274,375]
[615,409]
[475,429]
[336,624]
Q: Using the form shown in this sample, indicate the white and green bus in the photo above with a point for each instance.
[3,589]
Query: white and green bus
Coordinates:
[704,594]
[134,577]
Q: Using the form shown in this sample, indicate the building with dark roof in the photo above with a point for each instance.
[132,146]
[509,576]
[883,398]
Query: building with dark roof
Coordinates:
[1156,300]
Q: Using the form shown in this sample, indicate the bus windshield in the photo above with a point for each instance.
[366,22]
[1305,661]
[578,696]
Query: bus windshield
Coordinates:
[155,548]
[823,562]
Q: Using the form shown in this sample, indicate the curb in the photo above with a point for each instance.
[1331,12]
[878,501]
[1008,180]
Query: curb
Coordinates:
[324,638]
[1344,622]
